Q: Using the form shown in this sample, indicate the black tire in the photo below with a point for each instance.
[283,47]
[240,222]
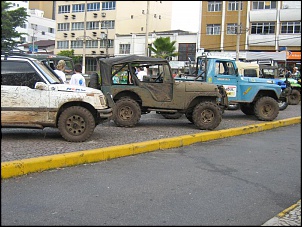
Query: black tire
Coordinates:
[266,109]
[189,116]
[76,124]
[94,80]
[282,105]
[127,112]
[172,115]
[294,97]
[206,115]
[247,108]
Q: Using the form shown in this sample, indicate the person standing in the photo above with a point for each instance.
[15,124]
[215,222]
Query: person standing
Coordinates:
[77,78]
[60,70]
[296,74]
[141,73]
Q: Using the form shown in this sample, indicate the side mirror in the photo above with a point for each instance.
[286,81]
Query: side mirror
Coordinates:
[40,86]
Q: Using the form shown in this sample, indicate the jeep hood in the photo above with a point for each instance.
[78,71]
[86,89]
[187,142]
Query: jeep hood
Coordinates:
[258,80]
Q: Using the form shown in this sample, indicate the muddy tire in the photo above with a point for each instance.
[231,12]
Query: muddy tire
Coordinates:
[206,115]
[94,80]
[266,109]
[189,116]
[172,115]
[282,105]
[76,124]
[127,112]
[247,108]
[294,97]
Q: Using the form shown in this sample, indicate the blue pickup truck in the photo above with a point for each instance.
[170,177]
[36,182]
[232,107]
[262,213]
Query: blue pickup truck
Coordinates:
[255,96]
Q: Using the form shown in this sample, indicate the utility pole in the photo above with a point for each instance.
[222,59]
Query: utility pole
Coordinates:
[238,31]
[84,41]
[147,29]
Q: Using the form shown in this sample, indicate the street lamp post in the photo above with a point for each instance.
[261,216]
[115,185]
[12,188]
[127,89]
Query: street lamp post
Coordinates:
[84,41]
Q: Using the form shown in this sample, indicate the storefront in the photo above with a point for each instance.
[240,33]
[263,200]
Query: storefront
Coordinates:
[293,59]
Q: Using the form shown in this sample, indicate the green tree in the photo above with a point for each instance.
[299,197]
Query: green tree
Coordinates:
[10,20]
[164,48]
[70,53]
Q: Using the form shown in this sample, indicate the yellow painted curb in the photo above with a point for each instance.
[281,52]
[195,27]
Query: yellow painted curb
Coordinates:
[286,211]
[31,165]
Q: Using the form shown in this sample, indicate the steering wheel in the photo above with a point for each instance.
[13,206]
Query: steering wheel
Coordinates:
[158,78]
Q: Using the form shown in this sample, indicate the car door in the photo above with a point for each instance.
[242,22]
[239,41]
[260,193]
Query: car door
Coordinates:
[21,103]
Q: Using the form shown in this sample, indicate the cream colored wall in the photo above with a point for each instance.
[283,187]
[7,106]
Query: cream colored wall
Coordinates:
[46,6]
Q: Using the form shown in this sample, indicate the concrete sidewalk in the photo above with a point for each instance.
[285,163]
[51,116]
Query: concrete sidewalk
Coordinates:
[289,217]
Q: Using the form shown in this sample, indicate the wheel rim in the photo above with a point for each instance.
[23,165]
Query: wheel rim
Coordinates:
[125,113]
[207,116]
[75,125]
[267,109]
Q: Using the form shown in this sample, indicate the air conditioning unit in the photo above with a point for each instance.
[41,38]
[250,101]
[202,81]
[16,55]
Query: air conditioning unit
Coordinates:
[95,15]
[72,34]
[103,14]
[93,52]
[94,33]
[65,35]
[73,16]
[66,17]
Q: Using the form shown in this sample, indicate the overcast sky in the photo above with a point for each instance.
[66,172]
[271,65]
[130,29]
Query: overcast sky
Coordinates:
[185,15]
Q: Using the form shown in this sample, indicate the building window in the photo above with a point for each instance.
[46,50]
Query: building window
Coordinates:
[293,27]
[186,51]
[77,26]
[51,30]
[231,29]
[76,44]
[233,6]
[64,9]
[110,24]
[213,29]
[78,8]
[264,4]
[93,6]
[214,6]
[63,44]
[23,39]
[92,43]
[92,25]
[23,25]
[263,28]
[104,42]
[108,5]
[124,49]
[63,26]
[91,65]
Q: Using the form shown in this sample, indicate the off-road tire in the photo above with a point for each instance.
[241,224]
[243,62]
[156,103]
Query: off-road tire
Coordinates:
[94,81]
[294,97]
[206,115]
[189,116]
[247,108]
[76,124]
[266,109]
[282,105]
[126,112]
[172,115]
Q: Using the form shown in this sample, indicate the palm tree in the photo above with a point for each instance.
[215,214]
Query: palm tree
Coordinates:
[164,48]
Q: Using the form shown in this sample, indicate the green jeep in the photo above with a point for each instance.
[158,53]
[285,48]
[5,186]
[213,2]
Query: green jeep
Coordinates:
[202,103]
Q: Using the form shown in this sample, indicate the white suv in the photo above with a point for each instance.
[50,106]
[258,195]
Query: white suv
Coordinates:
[32,96]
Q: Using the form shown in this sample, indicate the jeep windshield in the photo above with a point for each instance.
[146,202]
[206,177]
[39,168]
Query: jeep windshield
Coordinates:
[47,72]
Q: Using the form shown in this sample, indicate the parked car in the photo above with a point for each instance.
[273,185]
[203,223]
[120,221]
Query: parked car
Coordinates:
[33,96]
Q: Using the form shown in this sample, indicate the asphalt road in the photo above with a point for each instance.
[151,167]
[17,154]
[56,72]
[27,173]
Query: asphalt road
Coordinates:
[237,181]
[19,144]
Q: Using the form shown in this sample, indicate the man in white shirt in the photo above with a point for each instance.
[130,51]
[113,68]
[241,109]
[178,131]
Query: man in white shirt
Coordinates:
[141,73]
[77,78]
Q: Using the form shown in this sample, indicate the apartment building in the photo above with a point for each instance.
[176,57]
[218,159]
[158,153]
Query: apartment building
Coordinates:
[36,28]
[263,26]
[89,27]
